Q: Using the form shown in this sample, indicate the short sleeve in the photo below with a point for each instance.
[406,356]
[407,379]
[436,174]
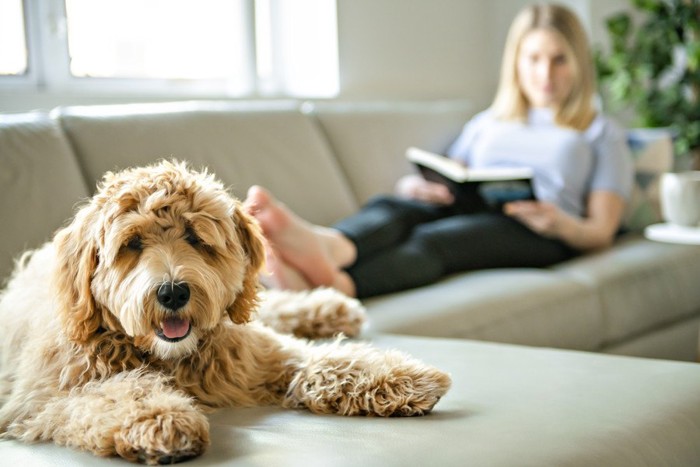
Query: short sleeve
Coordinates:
[461,148]
[614,168]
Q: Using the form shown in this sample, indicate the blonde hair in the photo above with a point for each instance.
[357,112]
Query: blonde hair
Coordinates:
[577,111]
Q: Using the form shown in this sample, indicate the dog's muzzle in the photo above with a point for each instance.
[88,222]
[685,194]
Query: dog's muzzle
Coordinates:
[173,296]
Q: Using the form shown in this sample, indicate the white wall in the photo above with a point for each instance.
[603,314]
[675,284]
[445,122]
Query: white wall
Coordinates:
[401,49]
[422,49]
[415,48]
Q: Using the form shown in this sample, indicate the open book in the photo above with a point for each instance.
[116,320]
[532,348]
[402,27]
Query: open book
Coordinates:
[475,189]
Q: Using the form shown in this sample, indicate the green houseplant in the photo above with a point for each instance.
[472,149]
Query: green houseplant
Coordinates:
[653,69]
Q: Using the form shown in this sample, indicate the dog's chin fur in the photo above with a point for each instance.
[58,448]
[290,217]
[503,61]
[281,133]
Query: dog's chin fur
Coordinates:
[80,359]
[165,350]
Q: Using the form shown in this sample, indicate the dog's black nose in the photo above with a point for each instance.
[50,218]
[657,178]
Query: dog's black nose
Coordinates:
[173,296]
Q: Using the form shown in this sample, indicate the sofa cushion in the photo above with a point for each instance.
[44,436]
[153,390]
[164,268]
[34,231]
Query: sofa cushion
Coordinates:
[508,406]
[370,139]
[521,306]
[677,341]
[41,182]
[642,285]
[243,143]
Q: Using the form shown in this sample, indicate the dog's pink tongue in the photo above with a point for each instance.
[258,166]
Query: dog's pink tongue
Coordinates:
[174,328]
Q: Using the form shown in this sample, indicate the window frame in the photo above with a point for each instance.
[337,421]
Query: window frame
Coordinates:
[48,65]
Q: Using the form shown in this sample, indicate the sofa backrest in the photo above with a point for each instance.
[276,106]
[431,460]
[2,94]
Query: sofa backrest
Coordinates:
[41,183]
[243,143]
[370,139]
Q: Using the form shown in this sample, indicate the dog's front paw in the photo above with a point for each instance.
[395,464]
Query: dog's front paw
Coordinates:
[408,390]
[165,438]
[314,314]
[365,381]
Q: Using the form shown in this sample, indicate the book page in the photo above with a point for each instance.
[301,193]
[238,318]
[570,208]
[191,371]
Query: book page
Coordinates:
[461,173]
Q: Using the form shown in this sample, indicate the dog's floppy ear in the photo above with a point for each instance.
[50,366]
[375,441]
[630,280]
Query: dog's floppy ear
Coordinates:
[252,241]
[76,260]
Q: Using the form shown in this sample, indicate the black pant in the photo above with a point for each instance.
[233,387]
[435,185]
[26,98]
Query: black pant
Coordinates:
[403,244]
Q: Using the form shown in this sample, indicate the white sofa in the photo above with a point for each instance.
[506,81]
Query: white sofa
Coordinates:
[324,160]
[509,405]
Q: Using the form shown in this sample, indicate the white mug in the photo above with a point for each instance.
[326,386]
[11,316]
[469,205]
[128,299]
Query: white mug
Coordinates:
[680,198]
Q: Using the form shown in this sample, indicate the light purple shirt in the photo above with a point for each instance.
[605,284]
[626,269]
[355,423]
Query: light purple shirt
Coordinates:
[568,164]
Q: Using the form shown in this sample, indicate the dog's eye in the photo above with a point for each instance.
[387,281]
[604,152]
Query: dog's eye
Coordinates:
[135,243]
[192,238]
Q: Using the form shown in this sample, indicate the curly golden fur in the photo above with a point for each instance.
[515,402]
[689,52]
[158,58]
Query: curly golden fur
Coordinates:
[121,332]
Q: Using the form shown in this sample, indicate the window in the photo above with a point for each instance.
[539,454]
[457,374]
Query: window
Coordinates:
[297,47]
[13,42]
[213,47]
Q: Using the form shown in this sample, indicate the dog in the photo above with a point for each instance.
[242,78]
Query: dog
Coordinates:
[135,321]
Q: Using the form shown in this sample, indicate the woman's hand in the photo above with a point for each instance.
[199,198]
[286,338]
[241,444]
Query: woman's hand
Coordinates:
[541,217]
[595,231]
[418,188]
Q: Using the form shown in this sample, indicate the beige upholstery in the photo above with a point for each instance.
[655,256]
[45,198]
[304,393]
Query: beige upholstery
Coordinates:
[537,308]
[370,139]
[40,181]
[642,285]
[600,302]
[243,143]
[509,406]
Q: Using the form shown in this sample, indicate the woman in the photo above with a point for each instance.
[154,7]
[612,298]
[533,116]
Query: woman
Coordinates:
[542,117]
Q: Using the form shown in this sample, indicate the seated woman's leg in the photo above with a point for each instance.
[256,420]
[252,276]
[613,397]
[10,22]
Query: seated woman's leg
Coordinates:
[319,253]
[395,269]
[385,222]
[455,244]
[488,240]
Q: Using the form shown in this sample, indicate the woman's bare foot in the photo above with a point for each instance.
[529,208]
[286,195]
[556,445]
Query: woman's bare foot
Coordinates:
[279,275]
[309,249]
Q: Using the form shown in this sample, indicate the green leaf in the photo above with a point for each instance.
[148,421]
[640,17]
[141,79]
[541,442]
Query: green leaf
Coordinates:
[692,51]
[635,73]
[648,5]
[619,26]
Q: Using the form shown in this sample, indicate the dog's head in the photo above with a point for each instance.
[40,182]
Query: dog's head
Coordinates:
[161,253]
